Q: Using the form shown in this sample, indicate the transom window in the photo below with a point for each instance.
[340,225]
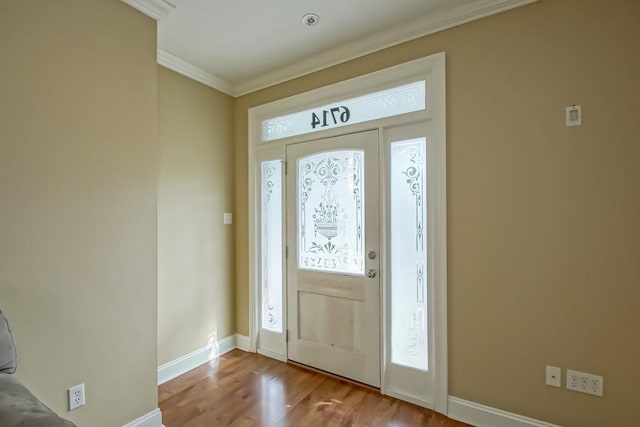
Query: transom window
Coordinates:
[377,105]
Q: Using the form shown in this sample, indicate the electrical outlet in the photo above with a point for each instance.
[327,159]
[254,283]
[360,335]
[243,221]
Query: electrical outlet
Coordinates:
[76,396]
[554,376]
[585,383]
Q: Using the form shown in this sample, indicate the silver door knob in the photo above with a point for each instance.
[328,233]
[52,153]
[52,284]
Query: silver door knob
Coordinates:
[371,273]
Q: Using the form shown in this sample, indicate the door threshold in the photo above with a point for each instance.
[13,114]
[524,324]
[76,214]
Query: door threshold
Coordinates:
[332,375]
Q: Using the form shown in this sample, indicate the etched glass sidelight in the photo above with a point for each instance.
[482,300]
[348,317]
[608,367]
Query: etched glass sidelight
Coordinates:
[409,254]
[272,245]
[331,212]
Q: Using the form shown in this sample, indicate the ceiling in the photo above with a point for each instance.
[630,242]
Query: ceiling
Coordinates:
[239,46]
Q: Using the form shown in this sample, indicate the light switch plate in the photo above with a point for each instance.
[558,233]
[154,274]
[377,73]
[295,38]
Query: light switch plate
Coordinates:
[574,115]
[227,218]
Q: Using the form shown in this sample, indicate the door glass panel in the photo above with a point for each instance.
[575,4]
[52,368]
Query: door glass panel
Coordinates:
[330,212]
[408,254]
[272,245]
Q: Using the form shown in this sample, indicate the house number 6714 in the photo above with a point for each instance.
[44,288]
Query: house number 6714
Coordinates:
[332,116]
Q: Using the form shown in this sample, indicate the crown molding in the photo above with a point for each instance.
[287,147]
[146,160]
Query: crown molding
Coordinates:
[358,48]
[187,69]
[156,9]
[423,27]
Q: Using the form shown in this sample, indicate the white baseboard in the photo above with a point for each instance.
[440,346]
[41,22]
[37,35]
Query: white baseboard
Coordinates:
[485,416]
[152,419]
[243,342]
[190,361]
[225,345]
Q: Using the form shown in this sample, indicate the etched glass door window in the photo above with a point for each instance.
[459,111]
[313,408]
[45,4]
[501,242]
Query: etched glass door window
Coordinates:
[408,254]
[330,212]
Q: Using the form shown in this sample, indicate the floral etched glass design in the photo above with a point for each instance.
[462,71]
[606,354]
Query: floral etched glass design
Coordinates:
[409,254]
[331,212]
[272,245]
[385,103]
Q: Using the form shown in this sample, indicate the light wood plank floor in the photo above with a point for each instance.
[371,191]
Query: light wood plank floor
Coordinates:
[246,389]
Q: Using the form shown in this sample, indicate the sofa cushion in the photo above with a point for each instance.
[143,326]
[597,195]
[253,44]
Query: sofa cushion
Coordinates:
[7,347]
[20,408]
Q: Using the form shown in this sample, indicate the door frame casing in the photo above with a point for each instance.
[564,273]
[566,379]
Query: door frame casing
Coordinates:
[430,68]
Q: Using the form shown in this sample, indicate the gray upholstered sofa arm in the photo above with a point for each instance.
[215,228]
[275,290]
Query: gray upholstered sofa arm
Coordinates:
[18,406]
[7,348]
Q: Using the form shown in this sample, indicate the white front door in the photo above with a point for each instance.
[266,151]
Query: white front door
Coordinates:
[333,240]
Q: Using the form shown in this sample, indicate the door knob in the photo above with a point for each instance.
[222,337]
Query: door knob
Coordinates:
[371,273]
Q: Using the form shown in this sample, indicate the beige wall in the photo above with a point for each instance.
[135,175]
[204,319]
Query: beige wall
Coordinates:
[78,202]
[543,220]
[195,188]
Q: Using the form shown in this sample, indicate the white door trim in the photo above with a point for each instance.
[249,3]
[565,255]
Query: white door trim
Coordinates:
[431,68]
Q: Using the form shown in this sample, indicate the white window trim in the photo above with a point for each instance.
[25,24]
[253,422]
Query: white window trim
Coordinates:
[430,68]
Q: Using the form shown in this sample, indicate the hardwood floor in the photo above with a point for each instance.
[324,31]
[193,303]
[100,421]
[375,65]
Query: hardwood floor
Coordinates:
[246,389]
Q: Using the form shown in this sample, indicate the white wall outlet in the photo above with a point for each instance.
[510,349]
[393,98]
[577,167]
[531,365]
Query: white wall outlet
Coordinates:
[554,376]
[227,218]
[585,383]
[574,115]
[76,397]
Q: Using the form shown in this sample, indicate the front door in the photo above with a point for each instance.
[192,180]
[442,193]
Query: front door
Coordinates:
[333,242]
